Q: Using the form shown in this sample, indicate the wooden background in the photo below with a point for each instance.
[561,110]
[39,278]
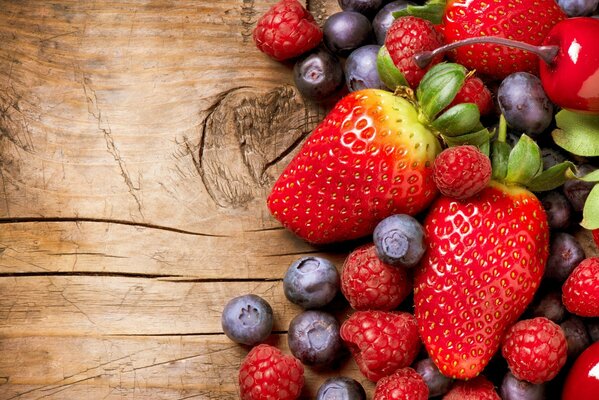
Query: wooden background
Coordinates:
[138,140]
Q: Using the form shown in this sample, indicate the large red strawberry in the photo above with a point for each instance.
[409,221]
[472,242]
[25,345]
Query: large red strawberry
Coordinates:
[371,157]
[485,259]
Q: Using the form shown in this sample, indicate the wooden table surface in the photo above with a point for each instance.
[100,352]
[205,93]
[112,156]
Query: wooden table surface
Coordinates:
[138,141]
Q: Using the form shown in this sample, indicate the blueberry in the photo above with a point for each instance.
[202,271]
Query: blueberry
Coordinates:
[311,282]
[578,8]
[558,210]
[577,191]
[550,306]
[524,103]
[366,7]
[399,240]
[341,388]
[438,384]
[593,329]
[247,319]
[384,18]
[514,389]
[565,253]
[576,335]
[318,75]
[360,69]
[346,31]
[551,157]
[314,338]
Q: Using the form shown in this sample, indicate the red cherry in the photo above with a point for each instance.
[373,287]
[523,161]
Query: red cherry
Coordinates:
[571,80]
[582,382]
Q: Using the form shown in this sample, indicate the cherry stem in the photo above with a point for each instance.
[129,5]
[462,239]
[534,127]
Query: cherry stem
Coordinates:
[546,53]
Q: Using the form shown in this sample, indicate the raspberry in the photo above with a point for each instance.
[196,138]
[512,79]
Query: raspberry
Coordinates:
[268,374]
[381,342]
[474,91]
[287,30]
[370,284]
[408,36]
[479,388]
[461,172]
[580,292]
[403,384]
[535,349]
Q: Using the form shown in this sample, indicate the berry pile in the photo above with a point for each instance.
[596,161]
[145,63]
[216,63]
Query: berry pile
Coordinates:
[469,192]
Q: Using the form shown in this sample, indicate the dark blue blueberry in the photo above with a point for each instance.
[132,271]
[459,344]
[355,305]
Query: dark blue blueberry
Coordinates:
[399,240]
[360,69]
[578,8]
[550,306]
[247,319]
[318,75]
[384,18]
[438,384]
[314,338]
[593,329]
[576,190]
[311,282]
[558,210]
[551,157]
[514,389]
[565,253]
[576,335]
[524,103]
[366,7]
[341,388]
[345,31]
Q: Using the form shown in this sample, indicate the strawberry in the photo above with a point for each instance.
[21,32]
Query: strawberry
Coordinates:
[402,384]
[596,236]
[286,30]
[535,349]
[369,158]
[526,21]
[461,172]
[580,292]
[479,388]
[370,284]
[268,374]
[408,36]
[381,342]
[485,260]
[475,91]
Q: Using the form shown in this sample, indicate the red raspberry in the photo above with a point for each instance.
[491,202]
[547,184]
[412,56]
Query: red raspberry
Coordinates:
[287,30]
[403,384]
[474,91]
[268,374]
[408,36]
[370,284]
[580,292]
[535,349]
[381,342]
[461,172]
[479,388]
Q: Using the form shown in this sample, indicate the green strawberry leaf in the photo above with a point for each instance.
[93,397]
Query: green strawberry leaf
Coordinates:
[592,177]
[590,213]
[390,75]
[524,162]
[433,11]
[439,87]
[459,119]
[485,148]
[478,138]
[552,178]
[577,133]
[499,159]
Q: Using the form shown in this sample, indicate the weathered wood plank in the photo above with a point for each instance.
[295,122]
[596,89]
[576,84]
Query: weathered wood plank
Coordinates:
[159,367]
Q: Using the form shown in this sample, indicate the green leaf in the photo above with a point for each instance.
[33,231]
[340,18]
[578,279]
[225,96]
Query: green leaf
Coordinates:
[590,213]
[524,162]
[551,178]
[478,138]
[459,119]
[578,133]
[390,75]
[439,87]
[591,177]
[433,11]
[499,159]
[485,148]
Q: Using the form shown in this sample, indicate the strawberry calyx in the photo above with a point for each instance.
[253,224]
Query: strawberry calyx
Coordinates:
[432,10]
